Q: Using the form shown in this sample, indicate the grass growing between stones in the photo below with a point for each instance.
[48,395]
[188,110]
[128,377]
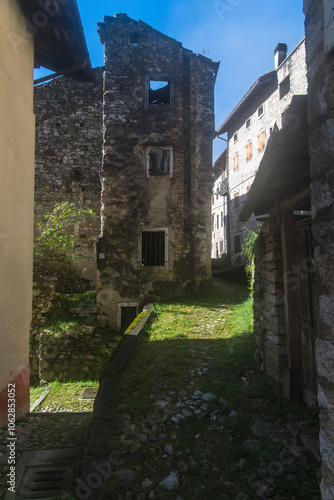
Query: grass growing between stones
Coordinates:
[194,409]
[63,397]
[61,322]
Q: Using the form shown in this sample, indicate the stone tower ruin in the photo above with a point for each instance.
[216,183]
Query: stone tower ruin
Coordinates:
[158,110]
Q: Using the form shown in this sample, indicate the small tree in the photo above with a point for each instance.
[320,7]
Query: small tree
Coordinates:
[56,246]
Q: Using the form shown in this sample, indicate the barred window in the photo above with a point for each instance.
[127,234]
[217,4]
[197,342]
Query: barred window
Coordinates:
[153,248]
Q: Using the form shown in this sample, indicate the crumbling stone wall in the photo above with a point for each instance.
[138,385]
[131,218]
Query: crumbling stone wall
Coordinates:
[43,295]
[80,355]
[69,154]
[320,70]
[268,305]
[136,203]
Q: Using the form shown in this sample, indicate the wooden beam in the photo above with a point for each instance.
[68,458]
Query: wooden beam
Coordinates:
[291,307]
[297,200]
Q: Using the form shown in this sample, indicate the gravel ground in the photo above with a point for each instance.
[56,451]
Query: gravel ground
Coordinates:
[42,431]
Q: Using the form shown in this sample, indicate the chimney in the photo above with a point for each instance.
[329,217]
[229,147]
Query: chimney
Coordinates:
[280,53]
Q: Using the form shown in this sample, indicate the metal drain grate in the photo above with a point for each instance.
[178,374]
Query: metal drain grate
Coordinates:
[43,482]
[45,474]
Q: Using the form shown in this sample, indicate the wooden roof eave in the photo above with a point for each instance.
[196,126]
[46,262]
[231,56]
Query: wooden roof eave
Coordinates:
[283,171]
[59,42]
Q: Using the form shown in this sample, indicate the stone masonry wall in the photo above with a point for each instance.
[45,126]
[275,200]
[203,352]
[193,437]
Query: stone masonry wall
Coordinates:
[76,356]
[43,295]
[133,201]
[69,154]
[320,70]
[269,321]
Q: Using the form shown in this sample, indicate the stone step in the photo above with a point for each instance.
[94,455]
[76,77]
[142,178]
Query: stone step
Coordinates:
[84,311]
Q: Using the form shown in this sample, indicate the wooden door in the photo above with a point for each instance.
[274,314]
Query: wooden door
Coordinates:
[304,272]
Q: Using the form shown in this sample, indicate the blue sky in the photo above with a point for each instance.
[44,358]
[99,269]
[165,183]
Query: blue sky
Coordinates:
[241,34]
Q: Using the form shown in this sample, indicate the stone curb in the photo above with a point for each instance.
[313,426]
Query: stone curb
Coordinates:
[96,467]
[39,400]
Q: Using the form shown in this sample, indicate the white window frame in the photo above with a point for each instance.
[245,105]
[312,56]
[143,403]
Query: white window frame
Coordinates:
[147,160]
[151,230]
[119,311]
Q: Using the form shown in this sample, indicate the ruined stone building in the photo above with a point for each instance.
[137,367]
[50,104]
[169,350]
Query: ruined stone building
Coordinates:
[69,154]
[158,109]
[248,128]
[151,109]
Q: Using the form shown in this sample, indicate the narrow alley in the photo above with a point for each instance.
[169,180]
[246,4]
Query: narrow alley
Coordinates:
[195,418]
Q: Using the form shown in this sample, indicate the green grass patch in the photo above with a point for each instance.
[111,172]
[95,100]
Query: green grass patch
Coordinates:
[208,345]
[59,318]
[35,393]
[64,397]
[60,321]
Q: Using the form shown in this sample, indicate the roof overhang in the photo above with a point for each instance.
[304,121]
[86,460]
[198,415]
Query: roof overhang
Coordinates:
[60,43]
[283,178]
[257,88]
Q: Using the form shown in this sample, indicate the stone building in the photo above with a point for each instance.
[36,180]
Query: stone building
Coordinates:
[69,154]
[156,171]
[319,29]
[219,208]
[248,129]
[55,43]
[294,285]
[283,290]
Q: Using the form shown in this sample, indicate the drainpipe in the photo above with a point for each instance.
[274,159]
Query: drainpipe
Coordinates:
[63,72]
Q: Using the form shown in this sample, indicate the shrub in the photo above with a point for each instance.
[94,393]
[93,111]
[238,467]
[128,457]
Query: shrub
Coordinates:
[56,247]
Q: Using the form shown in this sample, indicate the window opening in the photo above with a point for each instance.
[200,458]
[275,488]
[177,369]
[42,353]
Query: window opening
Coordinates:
[159,92]
[159,161]
[261,141]
[133,39]
[153,248]
[260,111]
[248,123]
[235,137]
[128,314]
[237,244]
[236,200]
[235,162]
[249,151]
[284,87]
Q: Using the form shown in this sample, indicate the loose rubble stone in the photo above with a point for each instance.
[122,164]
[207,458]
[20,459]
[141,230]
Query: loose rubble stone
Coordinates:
[171,482]
[126,475]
